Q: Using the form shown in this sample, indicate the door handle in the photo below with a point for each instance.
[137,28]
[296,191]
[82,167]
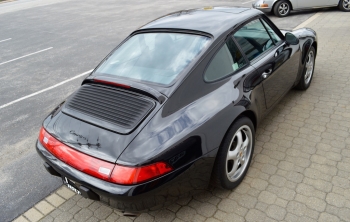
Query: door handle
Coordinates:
[267,73]
[278,52]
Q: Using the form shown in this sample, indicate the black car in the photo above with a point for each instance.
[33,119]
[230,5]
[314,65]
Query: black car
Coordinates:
[175,107]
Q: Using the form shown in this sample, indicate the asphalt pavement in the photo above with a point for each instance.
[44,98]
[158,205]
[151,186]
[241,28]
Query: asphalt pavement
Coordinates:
[43,43]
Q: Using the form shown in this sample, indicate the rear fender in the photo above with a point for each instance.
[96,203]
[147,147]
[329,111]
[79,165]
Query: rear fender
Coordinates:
[194,130]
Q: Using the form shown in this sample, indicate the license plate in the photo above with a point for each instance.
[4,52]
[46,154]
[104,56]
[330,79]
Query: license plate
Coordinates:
[71,185]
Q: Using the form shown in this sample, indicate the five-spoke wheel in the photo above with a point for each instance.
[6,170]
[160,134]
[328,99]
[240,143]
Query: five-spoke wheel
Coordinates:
[235,154]
[238,154]
[310,60]
[308,72]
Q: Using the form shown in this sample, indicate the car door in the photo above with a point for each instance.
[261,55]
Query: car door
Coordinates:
[276,62]
[313,3]
[229,62]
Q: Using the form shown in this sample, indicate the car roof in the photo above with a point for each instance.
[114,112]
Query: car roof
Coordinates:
[212,20]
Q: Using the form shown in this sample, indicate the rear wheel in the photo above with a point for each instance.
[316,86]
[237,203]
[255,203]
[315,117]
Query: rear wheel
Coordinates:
[308,72]
[235,154]
[344,5]
[282,8]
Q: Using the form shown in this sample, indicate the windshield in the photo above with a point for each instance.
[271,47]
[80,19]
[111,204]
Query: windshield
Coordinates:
[154,57]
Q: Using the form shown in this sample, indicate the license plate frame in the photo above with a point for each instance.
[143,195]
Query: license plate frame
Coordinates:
[71,185]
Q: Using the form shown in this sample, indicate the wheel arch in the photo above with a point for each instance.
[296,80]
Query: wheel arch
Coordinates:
[246,113]
[314,44]
[305,49]
[214,180]
[251,115]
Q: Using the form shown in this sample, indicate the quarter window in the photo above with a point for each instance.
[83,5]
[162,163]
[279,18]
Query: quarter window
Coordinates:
[253,39]
[226,61]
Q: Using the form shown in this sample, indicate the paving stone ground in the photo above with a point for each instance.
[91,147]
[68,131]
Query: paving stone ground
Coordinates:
[301,166]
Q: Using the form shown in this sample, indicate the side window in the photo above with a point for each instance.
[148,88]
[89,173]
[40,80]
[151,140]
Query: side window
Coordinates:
[272,33]
[226,61]
[253,39]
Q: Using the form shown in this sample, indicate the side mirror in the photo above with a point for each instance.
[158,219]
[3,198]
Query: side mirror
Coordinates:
[291,39]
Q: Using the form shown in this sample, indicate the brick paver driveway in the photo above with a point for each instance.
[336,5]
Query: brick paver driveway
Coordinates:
[301,167]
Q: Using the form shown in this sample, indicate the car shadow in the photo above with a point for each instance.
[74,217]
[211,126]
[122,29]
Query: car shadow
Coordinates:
[308,11]
[296,17]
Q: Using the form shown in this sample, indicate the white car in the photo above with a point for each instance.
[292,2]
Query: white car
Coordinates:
[282,8]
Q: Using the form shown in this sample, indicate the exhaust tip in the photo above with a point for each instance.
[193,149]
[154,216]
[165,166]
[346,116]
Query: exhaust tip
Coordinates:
[130,214]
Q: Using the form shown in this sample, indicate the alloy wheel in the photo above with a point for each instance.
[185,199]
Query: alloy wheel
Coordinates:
[284,9]
[309,67]
[346,4]
[239,153]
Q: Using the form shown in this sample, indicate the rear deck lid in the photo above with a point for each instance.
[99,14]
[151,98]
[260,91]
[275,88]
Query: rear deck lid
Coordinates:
[115,109]
[101,120]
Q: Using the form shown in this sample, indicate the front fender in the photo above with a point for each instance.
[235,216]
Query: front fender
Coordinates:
[307,38]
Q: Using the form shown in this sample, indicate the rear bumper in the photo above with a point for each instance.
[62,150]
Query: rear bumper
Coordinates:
[143,197]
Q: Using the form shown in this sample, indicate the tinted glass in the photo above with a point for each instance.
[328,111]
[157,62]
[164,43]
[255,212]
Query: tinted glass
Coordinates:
[253,39]
[154,57]
[226,61]
[272,33]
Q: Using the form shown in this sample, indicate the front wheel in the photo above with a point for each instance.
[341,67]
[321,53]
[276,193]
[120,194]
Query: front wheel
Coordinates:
[235,154]
[308,72]
[282,8]
[344,5]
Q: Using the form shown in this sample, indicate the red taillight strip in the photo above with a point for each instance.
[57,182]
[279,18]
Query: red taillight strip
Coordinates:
[129,175]
[80,161]
[112,83]
[101,169]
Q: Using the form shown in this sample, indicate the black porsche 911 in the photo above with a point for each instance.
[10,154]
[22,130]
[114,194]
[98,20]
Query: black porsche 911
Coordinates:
[175,107]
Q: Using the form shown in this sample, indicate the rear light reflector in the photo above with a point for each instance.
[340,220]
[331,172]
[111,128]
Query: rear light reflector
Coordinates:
[99,168]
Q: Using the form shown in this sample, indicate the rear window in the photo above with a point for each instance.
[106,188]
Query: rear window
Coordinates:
[154,57]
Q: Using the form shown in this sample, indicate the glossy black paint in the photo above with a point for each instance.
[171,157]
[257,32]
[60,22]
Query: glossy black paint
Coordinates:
[191,178]
[190,117]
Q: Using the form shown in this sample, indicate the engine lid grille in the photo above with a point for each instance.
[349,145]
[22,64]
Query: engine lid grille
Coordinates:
[125,110]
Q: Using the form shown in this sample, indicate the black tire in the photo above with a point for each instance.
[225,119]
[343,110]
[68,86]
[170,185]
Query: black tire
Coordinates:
[305,80]
[222,166]
[344,5]
[282,8]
